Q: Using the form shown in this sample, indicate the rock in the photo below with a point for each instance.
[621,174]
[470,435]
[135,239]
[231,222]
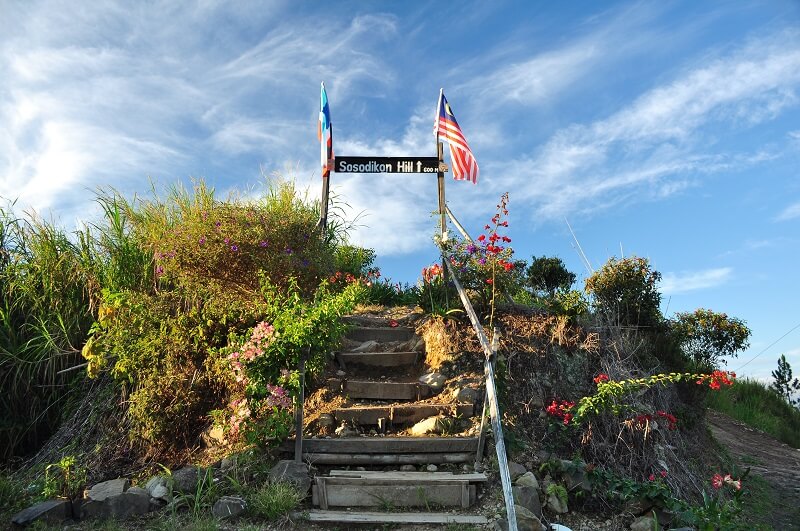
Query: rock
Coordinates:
[408,468]
[341,373]
[515,470]
[106,489]
[186,479]
[466,467]
[345,431]
[161,492]
[134,501]
[428,425]
[431,468]
[528,479]
[326,420]
[434,380]
[213,436]
[556,504]
[526,521]
[228,462]
[419,345]
[51,511]
[154,482]
[229,507]
[466,394]
[644,523]
[528,497]
[368,346]
[292,472]
[637,506]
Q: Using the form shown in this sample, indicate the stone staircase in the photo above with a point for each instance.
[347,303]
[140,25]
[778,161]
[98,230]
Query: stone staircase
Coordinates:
[391,477]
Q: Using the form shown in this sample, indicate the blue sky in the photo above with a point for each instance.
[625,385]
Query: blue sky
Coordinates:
[669,130]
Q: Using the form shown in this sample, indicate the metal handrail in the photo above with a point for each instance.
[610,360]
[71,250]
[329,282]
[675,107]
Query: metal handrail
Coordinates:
[494,407]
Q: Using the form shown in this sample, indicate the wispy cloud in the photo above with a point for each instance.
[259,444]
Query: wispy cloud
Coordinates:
[641,151]
[790,212]
[673,283]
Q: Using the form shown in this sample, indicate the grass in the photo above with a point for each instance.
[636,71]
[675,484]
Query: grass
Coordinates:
[273,499]
[751,402]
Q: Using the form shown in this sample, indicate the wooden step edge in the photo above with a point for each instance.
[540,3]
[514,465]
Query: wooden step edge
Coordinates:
[317,458]
[379,475]
[380,359]
[380,390]
[375,517]
[359,493]
[385,445]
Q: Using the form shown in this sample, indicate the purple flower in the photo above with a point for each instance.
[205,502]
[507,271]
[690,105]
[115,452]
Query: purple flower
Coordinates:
[217,224]
[471,248]
[227,241]
[288,250]
[482,261]
[202,240]
[263,243]
[234,248]
[305,263]
[159,270]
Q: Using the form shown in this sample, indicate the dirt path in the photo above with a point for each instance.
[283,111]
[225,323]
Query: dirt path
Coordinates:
[774,461]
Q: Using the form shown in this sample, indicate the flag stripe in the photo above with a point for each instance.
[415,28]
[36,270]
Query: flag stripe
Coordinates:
[465,167]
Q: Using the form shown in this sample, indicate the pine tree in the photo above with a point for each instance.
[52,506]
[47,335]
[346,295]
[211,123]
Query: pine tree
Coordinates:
[784,385]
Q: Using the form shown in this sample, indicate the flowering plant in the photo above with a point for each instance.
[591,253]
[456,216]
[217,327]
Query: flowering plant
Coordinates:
[485,266]
[719,509]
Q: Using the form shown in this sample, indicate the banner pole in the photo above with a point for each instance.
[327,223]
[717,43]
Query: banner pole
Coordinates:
[326,177]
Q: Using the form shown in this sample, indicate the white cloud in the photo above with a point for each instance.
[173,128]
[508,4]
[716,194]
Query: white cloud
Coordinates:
[790,212]
[643,150]
[673,283]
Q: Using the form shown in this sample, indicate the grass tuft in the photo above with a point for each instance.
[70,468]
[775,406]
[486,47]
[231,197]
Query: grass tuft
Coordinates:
[273,500]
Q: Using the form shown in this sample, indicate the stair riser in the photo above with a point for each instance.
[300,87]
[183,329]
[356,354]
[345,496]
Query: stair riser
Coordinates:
[390,496]
[389,459]
[377,359]
[380,390]
[400,415]
[381,335]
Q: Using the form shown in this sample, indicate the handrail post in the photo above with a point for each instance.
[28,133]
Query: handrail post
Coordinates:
[482,430]
[298,408]
[494,406]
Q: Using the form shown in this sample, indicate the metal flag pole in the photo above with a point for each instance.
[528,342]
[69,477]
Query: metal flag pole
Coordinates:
[326,152]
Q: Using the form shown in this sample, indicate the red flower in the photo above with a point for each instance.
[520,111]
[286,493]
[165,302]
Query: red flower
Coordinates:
[393,323]
[716,481]
[482,237]
[601,378]
[663,473]
[652,477]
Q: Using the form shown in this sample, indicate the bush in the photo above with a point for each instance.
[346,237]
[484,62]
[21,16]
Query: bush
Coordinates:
[706,337]
[546,275]
[625,291]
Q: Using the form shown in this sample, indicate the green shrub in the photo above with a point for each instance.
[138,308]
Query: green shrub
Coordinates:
[547,275]
[625,292]
[706,337]
[272,500]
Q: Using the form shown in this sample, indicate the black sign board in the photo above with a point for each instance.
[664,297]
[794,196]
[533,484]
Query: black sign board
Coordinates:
[387,165]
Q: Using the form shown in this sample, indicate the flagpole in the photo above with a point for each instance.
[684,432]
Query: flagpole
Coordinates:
[440,174]
[326,173]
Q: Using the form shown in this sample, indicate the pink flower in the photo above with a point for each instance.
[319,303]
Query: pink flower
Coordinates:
[716,481]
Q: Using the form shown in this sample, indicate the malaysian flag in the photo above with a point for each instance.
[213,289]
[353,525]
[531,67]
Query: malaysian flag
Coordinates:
[464,164]
[325,132]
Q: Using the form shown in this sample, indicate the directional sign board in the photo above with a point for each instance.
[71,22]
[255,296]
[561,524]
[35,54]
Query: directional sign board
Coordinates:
[387,165]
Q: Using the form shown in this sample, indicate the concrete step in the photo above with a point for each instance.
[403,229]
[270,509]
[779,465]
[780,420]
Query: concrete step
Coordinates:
[380,390]
[376,517]
[400,414]
[380,334]
[377,359]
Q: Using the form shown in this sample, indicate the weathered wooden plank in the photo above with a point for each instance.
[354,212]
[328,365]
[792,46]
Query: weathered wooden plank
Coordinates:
[381,334]
[393,495]
[374,517]
[377,359]
[377,476]
[380,390]
[391,445]
[388,459]
[400,414]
